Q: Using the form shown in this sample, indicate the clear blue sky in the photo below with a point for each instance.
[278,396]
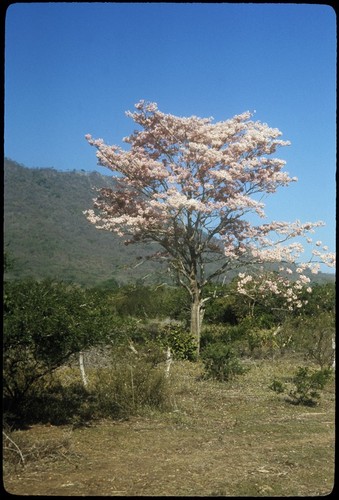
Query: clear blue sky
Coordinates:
[73,68]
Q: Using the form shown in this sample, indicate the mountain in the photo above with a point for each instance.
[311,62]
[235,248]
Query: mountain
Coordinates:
[46,233]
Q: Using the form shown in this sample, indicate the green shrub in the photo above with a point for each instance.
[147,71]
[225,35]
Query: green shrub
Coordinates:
[221,308]
[308,384]
[163,335]
[246,338]
[264,342]
[179,340]
[220,362]
[304,386]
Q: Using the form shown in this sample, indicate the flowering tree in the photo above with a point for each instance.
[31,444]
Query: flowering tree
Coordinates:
[266,285]
[190,185]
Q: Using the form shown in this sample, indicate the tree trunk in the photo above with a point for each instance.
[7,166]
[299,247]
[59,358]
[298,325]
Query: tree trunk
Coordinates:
[82,369]
[197,314]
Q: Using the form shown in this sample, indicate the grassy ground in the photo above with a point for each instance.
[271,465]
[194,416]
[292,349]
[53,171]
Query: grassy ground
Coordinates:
[219,439]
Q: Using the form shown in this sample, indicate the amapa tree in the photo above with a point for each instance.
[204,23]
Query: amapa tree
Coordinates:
[190,185]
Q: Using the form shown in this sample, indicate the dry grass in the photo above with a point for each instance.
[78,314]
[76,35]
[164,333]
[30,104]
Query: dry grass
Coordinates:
[234,439]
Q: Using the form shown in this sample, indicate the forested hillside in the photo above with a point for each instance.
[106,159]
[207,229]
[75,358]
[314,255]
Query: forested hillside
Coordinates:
[47,235]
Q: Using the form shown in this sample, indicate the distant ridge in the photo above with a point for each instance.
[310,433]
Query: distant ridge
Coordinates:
[47,235]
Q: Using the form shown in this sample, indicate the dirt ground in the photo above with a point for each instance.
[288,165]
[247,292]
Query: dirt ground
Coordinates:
[235,439]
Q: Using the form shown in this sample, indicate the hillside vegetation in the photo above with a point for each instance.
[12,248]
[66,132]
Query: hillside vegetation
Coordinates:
[46,233]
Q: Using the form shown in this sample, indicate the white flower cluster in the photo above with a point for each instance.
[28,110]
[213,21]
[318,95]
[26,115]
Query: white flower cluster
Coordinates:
[264,284]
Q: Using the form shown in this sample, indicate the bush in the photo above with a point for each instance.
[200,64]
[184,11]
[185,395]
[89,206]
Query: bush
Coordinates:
[178,339]
[264,342]
[304,386]
[245,338]
[220,362]
[322,299]
[44,324]
[307,385]
[128,387]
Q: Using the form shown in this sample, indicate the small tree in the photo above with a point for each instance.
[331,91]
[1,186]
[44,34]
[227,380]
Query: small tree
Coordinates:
[314,336]
[189,185]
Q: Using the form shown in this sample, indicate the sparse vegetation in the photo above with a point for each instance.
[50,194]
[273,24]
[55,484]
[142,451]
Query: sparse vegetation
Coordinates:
[216,439]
